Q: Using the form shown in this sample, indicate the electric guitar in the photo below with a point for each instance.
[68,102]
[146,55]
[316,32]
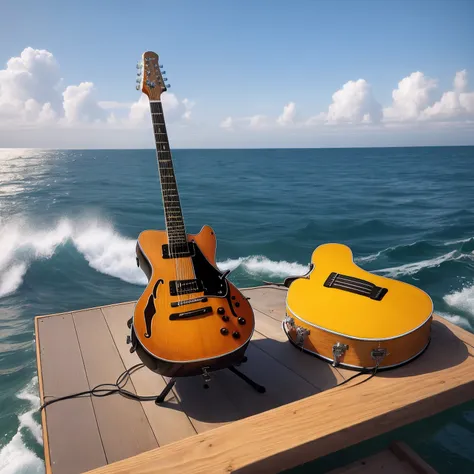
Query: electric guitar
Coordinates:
[354,318]
[190,318]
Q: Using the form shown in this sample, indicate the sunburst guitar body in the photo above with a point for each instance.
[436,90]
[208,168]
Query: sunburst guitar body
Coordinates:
[190,319]
[353,318]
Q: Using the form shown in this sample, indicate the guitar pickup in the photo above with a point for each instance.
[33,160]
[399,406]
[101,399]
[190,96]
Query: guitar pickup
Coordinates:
[191,314]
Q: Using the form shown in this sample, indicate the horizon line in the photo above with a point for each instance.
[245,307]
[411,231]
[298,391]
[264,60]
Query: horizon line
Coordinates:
[244,148]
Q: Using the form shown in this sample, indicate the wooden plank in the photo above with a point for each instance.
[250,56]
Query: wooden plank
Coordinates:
[206,408]
[304,430]
[384,461]
[123,426]
[168,422]
[316,371]
[282,385]
[71,444]
[406,454]
[270,300]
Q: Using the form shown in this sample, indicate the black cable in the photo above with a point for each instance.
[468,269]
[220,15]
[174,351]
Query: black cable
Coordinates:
[365,371]
[106,389]
[118,387]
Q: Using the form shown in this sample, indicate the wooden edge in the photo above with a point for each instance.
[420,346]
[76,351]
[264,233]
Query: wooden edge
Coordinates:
[405,453]
[47,460]
[83,309]
[290,435]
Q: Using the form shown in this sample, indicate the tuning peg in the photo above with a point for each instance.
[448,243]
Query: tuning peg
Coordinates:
[168,86]
[161,66]
[163,72]
[139,65]
[138,80]
[139,73]
[137,87]
[165,78]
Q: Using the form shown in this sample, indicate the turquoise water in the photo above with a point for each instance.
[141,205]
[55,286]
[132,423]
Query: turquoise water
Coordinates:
[69,221]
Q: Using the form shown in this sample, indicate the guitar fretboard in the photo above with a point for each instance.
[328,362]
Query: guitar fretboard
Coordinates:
[171,204]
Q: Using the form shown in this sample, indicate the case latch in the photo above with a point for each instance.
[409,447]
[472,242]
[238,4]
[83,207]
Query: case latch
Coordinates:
[338,350]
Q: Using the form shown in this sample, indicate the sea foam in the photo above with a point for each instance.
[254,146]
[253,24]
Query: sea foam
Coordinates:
[104,249]
[462,299]
[15,457]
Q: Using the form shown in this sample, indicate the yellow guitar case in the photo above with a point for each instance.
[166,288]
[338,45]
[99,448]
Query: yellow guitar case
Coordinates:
[353,318]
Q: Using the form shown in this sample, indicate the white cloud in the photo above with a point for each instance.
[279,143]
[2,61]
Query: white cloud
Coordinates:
[258,121]
[453,105]
[354,103]
[30,87]
[31,92]
[34,97]
[113,104]
[288,115]
[227,123]
[81,105]
[460,81]
[173,108]
[413,95]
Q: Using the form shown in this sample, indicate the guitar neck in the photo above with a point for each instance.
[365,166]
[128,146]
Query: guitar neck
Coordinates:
[171,204]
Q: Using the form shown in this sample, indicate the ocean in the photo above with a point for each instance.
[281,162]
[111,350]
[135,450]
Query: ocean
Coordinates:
[69,220]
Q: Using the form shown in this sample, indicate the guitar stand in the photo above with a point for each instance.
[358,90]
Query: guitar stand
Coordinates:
[259,388]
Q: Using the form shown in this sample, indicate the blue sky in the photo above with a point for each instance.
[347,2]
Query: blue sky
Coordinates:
[242,59]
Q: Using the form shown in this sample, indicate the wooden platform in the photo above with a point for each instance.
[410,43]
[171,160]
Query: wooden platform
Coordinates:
[198,430]
[398,458]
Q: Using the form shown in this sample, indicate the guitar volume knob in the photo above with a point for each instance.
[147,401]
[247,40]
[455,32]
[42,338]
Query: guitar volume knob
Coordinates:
[241,321]
[224,331]
[220,310]
[236,335]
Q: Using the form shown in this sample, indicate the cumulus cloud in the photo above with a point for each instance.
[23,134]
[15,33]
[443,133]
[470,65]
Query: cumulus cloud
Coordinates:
[81,104]
[413,94]
[173,108]
[30,87]
[288,115]
[32,92]
[455,104]
[354,103]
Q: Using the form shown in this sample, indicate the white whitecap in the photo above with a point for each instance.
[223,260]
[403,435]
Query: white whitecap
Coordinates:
[15,457]
[415,267]
[462,299]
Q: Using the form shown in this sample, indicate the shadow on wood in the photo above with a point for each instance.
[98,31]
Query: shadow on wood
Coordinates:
[444,352]
[229,398]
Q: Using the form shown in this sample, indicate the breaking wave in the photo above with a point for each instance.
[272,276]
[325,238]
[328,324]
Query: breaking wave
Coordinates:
[104,249]
[260,265]
[15,457]
[462,299]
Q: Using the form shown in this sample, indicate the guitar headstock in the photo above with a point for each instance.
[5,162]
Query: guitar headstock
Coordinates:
[150,77]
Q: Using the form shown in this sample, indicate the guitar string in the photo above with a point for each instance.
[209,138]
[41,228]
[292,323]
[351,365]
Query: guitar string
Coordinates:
[165,192]
[177,243]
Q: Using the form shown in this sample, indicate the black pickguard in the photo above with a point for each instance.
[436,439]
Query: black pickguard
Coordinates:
[212,280]
[150,309]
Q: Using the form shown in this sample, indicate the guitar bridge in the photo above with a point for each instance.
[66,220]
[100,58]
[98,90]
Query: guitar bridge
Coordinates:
[355,285]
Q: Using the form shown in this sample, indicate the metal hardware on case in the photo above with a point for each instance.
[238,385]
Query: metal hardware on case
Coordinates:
[301,334]
[338,350]
[290,322]
[378,355]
